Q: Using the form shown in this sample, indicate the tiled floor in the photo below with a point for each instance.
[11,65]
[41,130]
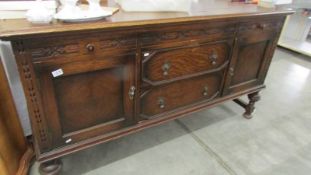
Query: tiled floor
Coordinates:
[219,141]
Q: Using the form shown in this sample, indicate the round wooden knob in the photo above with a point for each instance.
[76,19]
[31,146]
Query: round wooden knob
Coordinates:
[90,47]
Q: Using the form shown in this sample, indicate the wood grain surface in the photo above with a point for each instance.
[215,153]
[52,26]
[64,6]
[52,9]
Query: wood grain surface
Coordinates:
[204,10]
[137,70]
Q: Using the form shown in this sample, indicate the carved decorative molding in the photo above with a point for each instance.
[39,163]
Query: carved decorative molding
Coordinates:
[30,89]
[20,46]
[54,51]
[116,43]
[263,26]
[184,34]
[33,99]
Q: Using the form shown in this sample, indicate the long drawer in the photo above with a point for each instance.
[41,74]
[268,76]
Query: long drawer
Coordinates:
[182,93]
[166,65]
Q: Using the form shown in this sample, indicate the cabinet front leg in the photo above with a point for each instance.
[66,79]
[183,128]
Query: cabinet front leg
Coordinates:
[250,107]
[52,167]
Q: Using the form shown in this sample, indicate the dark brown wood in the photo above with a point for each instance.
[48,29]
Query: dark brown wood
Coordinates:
[181,112]
[169,64]
[181,93]
[249,109]
[52,167]
[251,54]
[103,104]
[240,102]
[202,11]
[16,153]
[92,83]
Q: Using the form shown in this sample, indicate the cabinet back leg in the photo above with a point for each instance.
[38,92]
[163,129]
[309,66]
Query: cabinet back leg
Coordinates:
[250,107]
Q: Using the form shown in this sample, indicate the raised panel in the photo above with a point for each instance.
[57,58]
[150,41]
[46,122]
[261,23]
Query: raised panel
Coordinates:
[252,53]
[249,62]
[88,99]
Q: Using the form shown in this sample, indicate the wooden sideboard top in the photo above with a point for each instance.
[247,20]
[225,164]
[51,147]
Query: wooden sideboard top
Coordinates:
[203,10]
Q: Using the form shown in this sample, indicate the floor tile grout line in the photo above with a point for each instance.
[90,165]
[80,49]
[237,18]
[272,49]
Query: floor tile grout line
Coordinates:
[207,149]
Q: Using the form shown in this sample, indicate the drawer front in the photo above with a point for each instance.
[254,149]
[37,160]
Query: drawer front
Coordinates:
[180,94]
[272,25]
[169,64]
[71,48]
[177,33]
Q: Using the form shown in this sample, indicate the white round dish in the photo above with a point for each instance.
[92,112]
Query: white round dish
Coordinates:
[83,16]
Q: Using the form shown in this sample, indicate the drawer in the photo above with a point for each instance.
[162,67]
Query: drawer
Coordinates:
[176,33]
[64,49]
[273,25]
[183,93]
[170,64]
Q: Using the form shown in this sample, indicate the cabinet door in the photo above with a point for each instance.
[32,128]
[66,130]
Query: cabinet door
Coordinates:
[250,61]
[86,99]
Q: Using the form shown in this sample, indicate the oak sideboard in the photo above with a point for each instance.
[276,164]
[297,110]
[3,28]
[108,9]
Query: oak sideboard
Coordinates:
[89,83]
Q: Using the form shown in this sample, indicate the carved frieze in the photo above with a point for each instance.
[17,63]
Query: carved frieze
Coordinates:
[33,99]
[262,26]
[184,34]
[117,42]
[53,51]
[31,92]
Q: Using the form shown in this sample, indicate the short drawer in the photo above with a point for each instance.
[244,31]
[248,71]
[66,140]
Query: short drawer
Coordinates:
[163,35]
[272,25]
[68,48]
[170,64]
[180,94]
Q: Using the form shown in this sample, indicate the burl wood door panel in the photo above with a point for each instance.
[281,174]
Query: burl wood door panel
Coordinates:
[171,64]
[87,100]
[182,93]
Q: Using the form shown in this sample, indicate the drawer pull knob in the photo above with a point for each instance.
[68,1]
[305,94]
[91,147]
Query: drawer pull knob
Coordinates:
[161,103]
[90,47]
[166,68]
[262,26]
[213,57]
[205,92]
[132,92]
[231,71]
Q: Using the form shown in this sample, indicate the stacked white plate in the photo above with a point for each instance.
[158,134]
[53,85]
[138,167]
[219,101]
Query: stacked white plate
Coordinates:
[80,14]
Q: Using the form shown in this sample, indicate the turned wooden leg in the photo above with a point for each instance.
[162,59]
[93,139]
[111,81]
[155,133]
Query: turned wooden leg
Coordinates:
[250,107]
[52,167]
